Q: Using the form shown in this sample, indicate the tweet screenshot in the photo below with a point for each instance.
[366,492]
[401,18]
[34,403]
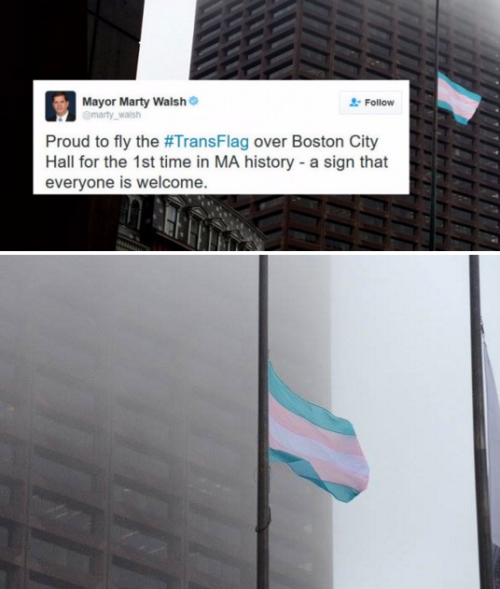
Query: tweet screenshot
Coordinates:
[221,137]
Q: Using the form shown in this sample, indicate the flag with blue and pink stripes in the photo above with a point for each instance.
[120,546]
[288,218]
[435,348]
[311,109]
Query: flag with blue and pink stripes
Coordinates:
[453,97]
[314,443]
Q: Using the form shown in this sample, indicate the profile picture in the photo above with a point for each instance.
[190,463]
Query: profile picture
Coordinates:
[60,107]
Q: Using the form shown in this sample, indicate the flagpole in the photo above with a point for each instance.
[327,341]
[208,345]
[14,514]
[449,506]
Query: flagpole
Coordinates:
[263,513]
[432,228]
[480,459]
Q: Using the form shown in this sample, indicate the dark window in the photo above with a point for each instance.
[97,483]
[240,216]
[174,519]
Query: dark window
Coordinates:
[134,214]
[172,217]
[194,232]
[127,533]
[303,236]
[304,219]
[60,509]
[44,548]
[373,203]
[337,244]
[66,475]
[124,210]
[128,578]
[141,499]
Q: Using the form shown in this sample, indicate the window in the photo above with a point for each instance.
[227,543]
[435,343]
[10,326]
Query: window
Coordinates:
[214,239]
[153,543]
[171,219]
[124,210]
[303,236]
[62,510]
[371,220]
[212,525]
[148,501]
[306,201]
[7,453]
[339,211]
[337,244]
[277,200]
[65,432]
[194,231]
[372,203]
[369,236]
[65,475]
[338,228]
[400,244]
[123,575]
[5,493]
[135,210]
[269,220]
[304,219]
[7,411]
[45,548]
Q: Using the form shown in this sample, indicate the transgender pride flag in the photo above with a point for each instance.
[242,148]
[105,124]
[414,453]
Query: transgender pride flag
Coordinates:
[315,444]
[458,100]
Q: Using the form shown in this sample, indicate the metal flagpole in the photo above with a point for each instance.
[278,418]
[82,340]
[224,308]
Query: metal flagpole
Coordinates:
[263,513]
[482,496]
[432,228]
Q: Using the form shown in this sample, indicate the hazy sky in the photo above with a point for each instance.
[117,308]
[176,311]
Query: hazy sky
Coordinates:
[165,47]
[401,373]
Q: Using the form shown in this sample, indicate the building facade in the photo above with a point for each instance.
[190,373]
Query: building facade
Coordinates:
[113,36]
[373,39]
[174,223]
[128,422]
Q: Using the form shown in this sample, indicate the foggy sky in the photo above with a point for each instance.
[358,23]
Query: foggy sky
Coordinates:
[401,373]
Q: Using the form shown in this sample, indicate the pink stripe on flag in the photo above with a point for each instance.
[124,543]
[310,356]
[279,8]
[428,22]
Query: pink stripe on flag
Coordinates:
[299,425]
[327,471]
[462,105]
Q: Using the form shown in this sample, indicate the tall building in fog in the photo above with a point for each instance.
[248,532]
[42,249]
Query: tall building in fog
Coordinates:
[128,391]
[374,40]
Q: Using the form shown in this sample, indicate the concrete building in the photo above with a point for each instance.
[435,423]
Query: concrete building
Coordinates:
[128,391]
[114,31]
[373,39]
[171,223]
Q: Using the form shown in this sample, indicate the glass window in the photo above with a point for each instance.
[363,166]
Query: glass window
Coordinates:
[194,232]
[339,228]
[152,543]
[214,239]
[269,220]
[400,244]
[277,200]
[306,201]
[7,411]
[369,236]
[72,434]
[172,218]
[124,210]
[211,525]
[337,244]
[144,500]
[60,509]
[215,567]
[304,219]
[303,236]
[7,453]
[134,214]
[63,474]
[339,211]
[46,548]
[143,459]
[123,575]
[372,203]
[371,220]
[5,493]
